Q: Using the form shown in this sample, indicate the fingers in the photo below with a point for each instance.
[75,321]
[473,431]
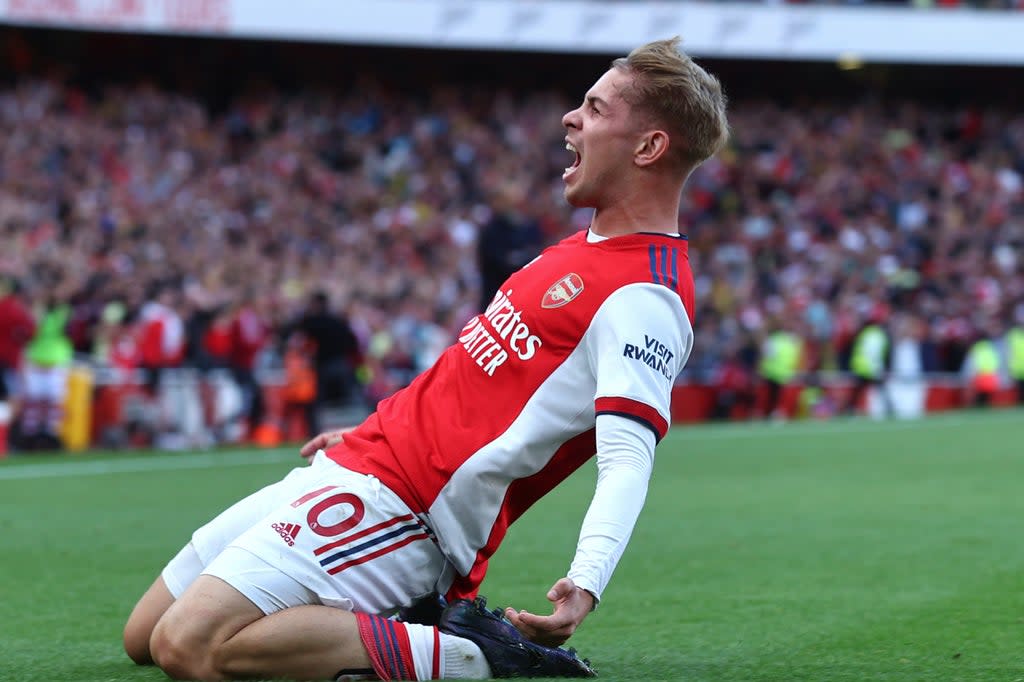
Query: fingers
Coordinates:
[561,590]
[310,448]
[543,629]
[546,630]
[571,606]
[515,617]
[552,623]
[323,441]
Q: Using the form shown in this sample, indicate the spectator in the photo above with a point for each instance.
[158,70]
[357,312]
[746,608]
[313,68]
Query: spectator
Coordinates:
[17,327]
[336,353]
[905,387]
[981,367]
[161,336]
[48,360]
[779,365]
[735,389]
[816,212]
[1015,356]
[249,334]
[171,415]
[217,339]
[116,344]
[870,360]
[300,381]
[509,240]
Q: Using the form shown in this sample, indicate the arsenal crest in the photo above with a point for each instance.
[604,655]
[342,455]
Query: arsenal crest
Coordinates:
[562,291]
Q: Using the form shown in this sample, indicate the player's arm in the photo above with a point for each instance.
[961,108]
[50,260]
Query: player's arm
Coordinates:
[625,454]
[638,343]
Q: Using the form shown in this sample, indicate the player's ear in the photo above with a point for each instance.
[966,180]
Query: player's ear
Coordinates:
[652,146]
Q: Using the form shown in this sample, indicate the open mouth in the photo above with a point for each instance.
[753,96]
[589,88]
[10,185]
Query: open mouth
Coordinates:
[576,162]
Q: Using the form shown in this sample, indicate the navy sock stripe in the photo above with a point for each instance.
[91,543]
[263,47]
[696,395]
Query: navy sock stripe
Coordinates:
[393,631]
[385,645]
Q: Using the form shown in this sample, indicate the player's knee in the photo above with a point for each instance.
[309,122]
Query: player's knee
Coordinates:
[180,657]
[136,644]
[143,619]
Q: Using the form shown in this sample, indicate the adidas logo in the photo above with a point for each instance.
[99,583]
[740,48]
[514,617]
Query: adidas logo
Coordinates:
[287,531]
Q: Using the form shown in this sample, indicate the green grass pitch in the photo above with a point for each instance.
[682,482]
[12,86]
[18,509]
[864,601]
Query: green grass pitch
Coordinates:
[848,550]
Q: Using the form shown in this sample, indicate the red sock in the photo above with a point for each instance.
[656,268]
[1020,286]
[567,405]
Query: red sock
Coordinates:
[387,642]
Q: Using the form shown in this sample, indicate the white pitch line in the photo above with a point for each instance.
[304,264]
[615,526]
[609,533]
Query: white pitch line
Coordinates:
[203,460]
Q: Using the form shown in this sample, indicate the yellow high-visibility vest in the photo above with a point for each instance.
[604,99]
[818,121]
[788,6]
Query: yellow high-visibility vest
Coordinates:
[985,357]
[780,357]
[868,356]
[1015,351]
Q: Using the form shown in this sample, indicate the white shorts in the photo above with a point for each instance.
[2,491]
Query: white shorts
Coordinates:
[46,383]
[322,535]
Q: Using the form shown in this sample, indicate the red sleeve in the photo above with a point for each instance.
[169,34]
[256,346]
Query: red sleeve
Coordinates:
[26,325]
[152,350]
[635,410]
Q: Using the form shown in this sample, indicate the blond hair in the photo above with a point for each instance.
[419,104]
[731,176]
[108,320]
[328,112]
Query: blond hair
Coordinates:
[679,94]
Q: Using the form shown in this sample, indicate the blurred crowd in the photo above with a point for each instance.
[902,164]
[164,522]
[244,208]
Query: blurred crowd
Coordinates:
[170,234]
[920,4]
[820,218]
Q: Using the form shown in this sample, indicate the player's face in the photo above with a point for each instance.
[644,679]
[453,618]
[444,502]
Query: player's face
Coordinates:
[603,135]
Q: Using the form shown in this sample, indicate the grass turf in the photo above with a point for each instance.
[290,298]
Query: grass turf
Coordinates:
[847,550]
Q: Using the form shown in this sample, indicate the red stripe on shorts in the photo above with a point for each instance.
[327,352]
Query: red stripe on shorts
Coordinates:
[435,670]
[309,496]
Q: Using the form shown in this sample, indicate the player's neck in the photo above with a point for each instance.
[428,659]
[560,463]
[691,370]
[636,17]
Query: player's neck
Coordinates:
[644,202]
[627,218]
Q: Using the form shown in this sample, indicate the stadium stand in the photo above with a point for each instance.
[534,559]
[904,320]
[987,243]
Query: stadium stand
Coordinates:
[190,222]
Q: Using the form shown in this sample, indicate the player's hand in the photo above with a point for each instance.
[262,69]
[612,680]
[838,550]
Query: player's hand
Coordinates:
[322,442]
[572,604]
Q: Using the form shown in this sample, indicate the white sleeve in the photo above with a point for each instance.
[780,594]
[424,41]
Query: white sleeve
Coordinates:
[638,343]
[625,458]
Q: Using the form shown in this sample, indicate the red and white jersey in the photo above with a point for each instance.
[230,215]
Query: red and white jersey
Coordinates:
[162,335]
[509,410]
